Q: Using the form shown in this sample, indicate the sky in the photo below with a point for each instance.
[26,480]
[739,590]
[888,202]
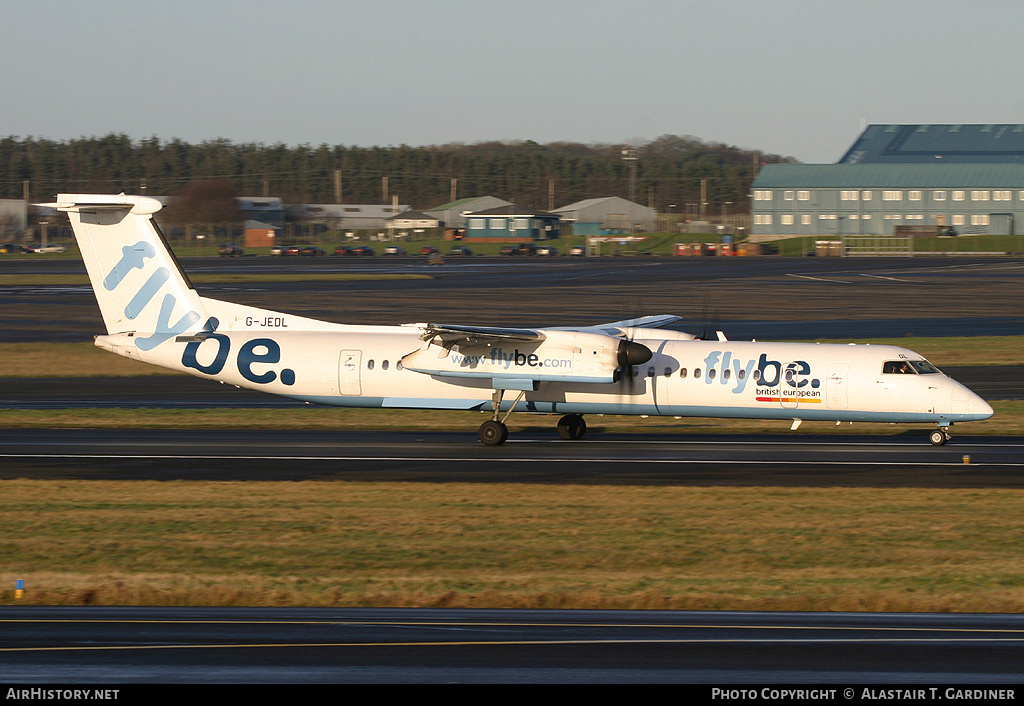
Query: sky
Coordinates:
[796,78]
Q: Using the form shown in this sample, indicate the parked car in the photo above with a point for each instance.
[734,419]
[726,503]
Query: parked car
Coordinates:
[13,248]
[343,251]
[520,249]
[429,250]
[278,250]
[394,250]
[229,250]
[460,251]
[577,251]
[363,250]
[548,250]
[311,251]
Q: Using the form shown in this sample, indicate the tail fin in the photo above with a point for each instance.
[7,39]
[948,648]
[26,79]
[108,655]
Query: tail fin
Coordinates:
[137,281]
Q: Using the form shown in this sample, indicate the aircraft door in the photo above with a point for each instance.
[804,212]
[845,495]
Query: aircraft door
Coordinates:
[837,386]
[349,365]
[789,396]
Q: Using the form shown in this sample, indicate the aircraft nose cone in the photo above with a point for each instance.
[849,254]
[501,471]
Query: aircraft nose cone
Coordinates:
[982,408]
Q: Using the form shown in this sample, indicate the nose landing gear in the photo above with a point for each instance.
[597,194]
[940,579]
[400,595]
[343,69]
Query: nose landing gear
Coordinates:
[940,436]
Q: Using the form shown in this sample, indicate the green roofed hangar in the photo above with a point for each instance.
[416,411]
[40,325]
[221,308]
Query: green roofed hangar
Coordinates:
[923,178]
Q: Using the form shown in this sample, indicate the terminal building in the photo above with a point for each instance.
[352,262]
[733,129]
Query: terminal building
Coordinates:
[969,178]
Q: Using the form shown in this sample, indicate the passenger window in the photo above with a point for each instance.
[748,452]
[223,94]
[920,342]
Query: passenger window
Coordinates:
[711,374]
[726,374]
[668,372]
[369,365]
[696,373]
[682,372]
[384,365]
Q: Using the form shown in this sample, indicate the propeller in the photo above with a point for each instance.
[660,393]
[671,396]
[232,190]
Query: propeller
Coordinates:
[630,354]
[708,324]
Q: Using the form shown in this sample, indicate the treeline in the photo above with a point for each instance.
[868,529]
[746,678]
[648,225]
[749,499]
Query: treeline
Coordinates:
[672,173]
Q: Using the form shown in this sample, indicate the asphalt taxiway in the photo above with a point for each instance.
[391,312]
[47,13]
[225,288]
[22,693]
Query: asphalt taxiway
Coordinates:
[288,645]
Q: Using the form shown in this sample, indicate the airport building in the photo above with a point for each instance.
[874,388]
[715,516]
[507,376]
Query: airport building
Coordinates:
[607,216]
[922,178]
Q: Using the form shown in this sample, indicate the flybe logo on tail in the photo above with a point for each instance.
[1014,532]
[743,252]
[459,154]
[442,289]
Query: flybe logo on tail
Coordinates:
[134,257]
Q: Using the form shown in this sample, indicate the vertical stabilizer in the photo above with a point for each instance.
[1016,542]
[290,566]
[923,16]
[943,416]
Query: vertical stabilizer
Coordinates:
[138,283]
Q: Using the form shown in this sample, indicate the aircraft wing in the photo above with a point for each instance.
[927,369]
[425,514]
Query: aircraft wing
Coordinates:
[451,335]
[622,328]
[656,321]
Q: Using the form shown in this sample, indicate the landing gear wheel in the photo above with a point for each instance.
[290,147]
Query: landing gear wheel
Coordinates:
[572,426]
[493,433]
[938,437]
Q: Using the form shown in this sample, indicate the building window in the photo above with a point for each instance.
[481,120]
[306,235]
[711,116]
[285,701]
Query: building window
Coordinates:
[788,195]
[979,196]
[914,195]
[865,196]
[763,219]
[803,196]
[787,219]
[939,195]
[522,223]
[1002,195]
[496,223]
[979,219]
[959,195]
[805,220]
[848,195]
[892,195]
[477,223]
[958,220]
[762,196]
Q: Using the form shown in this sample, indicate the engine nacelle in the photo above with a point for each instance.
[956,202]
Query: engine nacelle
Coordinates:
[561,356]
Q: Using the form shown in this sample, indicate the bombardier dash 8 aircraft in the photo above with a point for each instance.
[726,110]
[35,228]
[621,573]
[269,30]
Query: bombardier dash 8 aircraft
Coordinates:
[634,367]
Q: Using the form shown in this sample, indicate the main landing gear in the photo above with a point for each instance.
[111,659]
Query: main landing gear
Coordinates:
[572,426]
[493,432]
[939,436]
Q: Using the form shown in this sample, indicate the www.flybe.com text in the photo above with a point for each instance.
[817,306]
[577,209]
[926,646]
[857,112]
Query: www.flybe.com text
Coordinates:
[499,358]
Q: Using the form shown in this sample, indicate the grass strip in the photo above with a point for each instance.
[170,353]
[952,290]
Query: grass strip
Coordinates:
[482,545]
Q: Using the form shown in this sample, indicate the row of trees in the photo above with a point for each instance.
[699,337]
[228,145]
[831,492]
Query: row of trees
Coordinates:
[671,172]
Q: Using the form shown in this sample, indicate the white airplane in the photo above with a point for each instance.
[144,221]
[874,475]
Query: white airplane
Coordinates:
[153,314]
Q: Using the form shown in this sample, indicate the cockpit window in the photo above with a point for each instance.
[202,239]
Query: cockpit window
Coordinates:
[923,367]
[909,367]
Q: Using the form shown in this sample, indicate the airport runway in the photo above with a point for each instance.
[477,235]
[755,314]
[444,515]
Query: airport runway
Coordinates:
[535,455]
[126,646]
[762,298]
